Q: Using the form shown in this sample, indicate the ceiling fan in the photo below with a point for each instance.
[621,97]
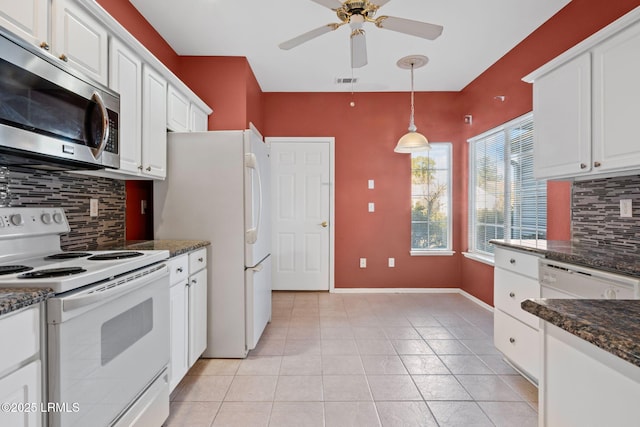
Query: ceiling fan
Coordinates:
[356,13]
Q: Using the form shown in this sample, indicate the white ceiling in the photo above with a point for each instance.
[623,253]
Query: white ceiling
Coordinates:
[476,34]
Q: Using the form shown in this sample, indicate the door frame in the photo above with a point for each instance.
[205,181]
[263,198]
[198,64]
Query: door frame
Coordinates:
[332,179]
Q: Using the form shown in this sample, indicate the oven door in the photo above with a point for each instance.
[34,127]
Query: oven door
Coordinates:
[106,344]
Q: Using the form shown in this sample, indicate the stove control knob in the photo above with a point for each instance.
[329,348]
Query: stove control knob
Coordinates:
[46,218]
[57,218]
[16,219]
[610,294]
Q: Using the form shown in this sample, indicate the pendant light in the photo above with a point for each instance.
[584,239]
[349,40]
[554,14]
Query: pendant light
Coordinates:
[412,141]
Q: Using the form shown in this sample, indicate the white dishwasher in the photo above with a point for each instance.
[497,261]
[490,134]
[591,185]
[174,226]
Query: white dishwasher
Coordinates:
[561,280]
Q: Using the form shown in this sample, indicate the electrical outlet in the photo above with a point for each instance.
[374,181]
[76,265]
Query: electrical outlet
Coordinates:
[93,207]
[392,262]
[363,263]
[371,185]
[626,208]
[372,207]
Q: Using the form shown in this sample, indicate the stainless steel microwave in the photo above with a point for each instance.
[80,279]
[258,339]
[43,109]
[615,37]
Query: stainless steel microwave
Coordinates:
[50,116]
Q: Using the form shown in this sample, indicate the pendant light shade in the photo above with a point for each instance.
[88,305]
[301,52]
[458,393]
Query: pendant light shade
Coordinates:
[412,141]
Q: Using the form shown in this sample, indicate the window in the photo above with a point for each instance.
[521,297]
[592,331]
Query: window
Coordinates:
[505,200]
[431,200]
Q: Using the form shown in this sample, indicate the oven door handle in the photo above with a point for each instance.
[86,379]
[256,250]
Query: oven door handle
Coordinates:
[106,292]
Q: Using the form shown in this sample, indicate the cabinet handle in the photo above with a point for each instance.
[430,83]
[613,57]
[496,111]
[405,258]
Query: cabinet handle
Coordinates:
[179,269]
[64,58]
[583,166]
[512,261]
[194,281]
[44,45]
[139,167]
[597,164]
[512,340]
[148,168]
[512,295]
[200,259]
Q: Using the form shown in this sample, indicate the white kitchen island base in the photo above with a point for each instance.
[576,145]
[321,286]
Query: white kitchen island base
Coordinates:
[582,385]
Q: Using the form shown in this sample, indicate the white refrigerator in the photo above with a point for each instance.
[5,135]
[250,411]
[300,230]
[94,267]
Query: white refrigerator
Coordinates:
[217,189]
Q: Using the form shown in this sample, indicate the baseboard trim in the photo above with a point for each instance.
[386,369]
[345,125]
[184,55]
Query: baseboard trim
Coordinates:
[414,291]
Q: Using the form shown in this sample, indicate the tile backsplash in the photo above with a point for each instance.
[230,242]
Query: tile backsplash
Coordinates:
[71,191]
[595,216]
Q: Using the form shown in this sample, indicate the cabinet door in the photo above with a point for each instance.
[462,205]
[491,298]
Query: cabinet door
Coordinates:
[22,387]
[125,77]
[562,115]
[28,19]
[197,315]
[154,124]
[199,119]
[179,334]
[616,101]
[79,39]
[177,111]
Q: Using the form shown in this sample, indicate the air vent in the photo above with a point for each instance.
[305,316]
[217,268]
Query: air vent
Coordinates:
[346,80]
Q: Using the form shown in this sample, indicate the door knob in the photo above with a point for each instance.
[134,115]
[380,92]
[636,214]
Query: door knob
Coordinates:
[324,224]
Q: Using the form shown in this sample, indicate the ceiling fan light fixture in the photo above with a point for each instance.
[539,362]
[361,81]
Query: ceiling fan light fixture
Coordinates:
[412,141]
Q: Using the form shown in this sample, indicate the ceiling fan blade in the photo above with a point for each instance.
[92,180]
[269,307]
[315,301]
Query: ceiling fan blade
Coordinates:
[407,26]
[358,49]
[308,36]
[331,4]
[379,3]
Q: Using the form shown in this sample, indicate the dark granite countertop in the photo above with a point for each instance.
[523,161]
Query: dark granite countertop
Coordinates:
[12,299]
[175,247]
[612,325]
[606,257]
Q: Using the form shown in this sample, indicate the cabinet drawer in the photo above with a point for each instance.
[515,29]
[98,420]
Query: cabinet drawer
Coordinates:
[178,269]
[518,342]
[197,260]
[20,331]
[510,289]
[518,262]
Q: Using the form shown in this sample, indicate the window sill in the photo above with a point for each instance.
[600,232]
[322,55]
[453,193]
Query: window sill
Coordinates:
[480,258]
[432,253]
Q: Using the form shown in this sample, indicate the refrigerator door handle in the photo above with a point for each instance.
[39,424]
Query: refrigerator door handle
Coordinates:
[252,163]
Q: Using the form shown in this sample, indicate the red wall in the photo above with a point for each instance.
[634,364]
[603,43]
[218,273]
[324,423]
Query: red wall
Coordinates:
[228,86]
[365,136]
[575,22]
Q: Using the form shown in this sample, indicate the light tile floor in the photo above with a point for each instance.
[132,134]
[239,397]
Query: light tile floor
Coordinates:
[362,360]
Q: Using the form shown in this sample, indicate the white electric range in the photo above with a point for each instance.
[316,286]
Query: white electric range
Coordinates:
[107,325]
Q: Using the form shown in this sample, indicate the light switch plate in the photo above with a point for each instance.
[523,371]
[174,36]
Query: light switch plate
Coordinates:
[363,263]
[626,208]
[371,184]
[392,262]
[93,207]
[372,207]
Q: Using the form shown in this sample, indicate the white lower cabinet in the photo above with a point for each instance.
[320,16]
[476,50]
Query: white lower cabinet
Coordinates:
[188,314]
[582,385]
[21,369]
[516,331]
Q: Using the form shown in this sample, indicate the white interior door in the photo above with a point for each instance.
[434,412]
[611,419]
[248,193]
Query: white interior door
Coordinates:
[302,213]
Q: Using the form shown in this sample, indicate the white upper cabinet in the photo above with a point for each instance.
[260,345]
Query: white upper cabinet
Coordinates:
[616,101]
[79,39]
[177,110]
[154,123]
[199,119]
[125,77]
[585,104]
[562,120]
[28,19]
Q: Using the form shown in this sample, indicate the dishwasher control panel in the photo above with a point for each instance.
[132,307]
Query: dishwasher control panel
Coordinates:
[561,280]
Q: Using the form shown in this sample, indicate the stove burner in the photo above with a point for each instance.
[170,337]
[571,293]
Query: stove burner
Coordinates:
[115,255]
[52,272]
[68,255]
[10,269]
